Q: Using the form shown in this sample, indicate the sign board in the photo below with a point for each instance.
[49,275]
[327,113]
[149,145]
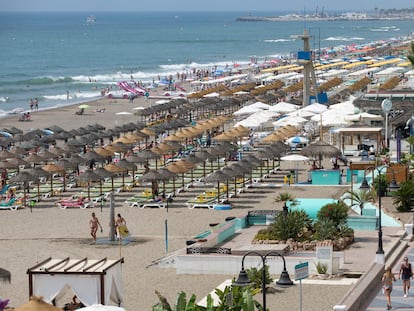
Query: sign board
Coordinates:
[324,256]
[301,271]
[324,253]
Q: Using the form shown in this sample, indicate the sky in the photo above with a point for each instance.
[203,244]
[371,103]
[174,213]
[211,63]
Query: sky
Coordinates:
[197,5]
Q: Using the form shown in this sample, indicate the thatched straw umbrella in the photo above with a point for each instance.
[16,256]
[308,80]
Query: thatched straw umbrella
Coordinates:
[87,177]
[217,176]
[319,150]
[53,168]
[37,304]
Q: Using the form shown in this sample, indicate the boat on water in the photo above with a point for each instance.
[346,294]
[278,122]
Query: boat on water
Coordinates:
[91,19]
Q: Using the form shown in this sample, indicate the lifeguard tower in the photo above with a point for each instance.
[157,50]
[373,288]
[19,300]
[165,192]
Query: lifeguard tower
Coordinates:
[310,87]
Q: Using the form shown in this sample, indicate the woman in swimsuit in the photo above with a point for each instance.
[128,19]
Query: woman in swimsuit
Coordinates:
[93,224]
[119,221]
[387,280]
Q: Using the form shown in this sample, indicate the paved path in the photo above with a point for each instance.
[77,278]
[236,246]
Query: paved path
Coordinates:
[397,299]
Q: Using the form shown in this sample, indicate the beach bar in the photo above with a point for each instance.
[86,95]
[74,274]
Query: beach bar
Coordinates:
[326,177]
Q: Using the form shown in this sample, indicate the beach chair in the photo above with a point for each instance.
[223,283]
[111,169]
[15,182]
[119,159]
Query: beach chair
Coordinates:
[202,201]
[153,203]
[145,202]
[13,204]
[75,202]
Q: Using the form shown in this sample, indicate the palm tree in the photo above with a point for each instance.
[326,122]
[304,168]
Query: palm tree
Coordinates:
[360,197]
[286,197]
[403,197]
[411,56]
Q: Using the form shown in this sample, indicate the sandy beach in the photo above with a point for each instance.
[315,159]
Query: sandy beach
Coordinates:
[27,238]
[49,231]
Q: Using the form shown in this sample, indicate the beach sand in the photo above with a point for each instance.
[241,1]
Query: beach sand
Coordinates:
[27,238]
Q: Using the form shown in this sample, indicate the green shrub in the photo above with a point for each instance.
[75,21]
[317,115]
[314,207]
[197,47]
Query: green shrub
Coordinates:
[321,268]
[264,234]
[255,276]
[383,184]
[290,226]
[336,212]
[325,229]
[402,198]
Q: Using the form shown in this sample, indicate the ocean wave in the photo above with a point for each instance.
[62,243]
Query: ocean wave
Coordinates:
[278,40]
[344,39]
[74,95]
[47,80]
[4,99]
[173,68]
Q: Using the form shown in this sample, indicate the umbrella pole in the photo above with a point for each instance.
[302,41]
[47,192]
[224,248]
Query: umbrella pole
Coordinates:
[261,168]
[218,192]
[51,185]
[235,185]
[38,191]
[24,195]
[89,190]
[227,189]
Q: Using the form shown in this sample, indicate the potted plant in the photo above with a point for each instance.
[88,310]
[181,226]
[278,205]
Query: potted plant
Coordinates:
[321,269]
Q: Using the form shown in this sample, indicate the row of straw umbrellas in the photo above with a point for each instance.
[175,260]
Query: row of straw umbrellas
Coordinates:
[59,160]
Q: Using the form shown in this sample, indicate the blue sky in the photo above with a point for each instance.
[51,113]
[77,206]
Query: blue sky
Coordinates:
[197,5]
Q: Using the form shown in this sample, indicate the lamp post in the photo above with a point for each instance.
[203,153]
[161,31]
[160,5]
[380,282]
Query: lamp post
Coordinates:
[410,127]
[243,279]
[364,186]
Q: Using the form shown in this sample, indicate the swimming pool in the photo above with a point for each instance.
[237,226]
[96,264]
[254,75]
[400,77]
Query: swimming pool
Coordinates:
[312,205]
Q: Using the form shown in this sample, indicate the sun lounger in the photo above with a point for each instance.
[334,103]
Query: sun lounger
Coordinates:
[145,202]
[75,202]
[202,202]
[13,204]
[159,204]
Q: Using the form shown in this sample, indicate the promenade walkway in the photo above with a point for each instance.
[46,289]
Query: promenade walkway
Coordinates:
[397,297]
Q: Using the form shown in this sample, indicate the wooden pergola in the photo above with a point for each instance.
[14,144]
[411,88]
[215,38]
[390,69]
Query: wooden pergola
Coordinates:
[358,131]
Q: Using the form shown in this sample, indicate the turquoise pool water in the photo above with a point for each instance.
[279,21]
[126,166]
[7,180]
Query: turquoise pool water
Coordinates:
[312,205]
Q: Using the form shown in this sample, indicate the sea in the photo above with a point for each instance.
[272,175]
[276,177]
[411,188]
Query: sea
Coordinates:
[61,59]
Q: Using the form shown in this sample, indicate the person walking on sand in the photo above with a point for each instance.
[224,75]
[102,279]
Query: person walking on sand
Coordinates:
[31,104]
[387,280]
[120,226]
[94,224]
[406,273]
